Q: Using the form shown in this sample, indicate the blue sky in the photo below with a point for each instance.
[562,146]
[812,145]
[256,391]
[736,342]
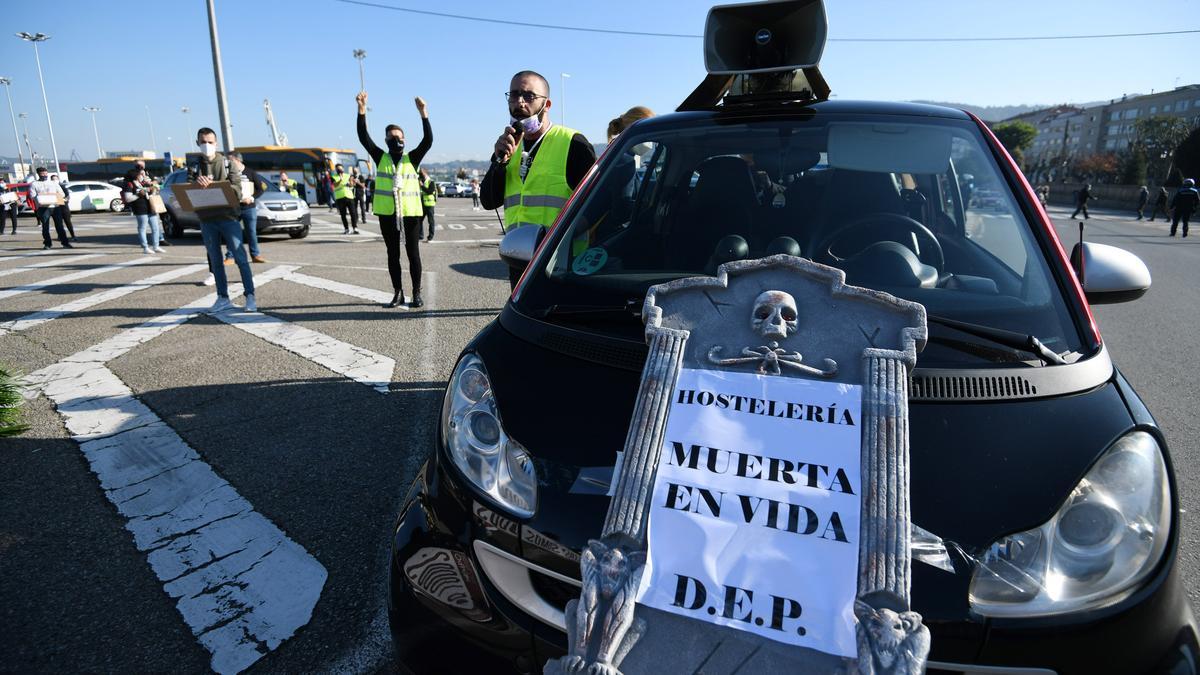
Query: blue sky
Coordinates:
[123,57]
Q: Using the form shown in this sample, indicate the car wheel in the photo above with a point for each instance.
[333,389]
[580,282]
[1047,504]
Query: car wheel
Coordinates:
[116,206]
[171,226]
[299,234]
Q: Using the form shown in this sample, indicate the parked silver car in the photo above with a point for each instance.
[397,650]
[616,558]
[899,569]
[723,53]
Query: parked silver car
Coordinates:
[278,211]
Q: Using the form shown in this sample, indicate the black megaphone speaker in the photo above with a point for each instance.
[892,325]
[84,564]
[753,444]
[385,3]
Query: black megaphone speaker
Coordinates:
[763,37]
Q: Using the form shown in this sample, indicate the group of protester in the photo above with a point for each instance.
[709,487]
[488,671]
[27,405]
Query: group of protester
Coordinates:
[535,167]
[1178,207]
[48,196]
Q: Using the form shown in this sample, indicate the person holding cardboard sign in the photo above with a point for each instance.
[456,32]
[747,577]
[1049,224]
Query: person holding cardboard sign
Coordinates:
[218,217]
[47,195]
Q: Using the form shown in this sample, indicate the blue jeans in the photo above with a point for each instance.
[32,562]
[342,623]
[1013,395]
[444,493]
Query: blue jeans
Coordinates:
[150,220]
[249,230]
[230,232]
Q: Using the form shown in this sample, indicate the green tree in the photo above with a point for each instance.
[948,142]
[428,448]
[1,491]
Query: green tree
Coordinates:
[1016,137]
[1187,155]
[1133,166]
[10,405]
[1160,135]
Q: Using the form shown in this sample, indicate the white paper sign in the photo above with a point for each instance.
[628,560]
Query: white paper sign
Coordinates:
[207,198]
[754,521]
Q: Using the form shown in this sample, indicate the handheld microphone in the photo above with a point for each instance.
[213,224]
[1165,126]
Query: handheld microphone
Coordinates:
[497,160]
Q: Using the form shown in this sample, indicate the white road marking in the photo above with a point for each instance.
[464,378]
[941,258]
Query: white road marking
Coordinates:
[24,255]
[369,294]
[428,364]
[73,276]
[343,358]
[121,343]
[241,584]
[58,261]
[464,241]
[30,320]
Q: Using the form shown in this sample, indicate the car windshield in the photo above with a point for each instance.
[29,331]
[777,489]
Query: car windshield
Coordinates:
[916,207]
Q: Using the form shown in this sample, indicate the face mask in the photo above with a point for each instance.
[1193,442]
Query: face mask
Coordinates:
[340,172]
[395,145]
[529,125]
[208,149]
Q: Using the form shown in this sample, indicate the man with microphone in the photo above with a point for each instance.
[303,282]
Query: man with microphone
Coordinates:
[536,165]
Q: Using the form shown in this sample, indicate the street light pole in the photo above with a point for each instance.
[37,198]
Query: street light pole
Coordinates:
[361,54]
[16,137]
[93,109]
[219,75]
[35,39]
[153,138]
[25,127]
[562,113]
[185,110]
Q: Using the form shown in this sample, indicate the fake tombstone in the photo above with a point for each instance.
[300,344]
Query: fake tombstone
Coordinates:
[760,521]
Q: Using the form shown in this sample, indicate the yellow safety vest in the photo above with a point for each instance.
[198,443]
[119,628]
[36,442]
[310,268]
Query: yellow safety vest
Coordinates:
[384,203]
[544,192]
[341,187]
[290,187]
[429,193]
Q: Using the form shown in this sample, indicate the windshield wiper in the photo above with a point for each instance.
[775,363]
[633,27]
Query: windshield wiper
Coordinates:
[631,308]
[1007,338]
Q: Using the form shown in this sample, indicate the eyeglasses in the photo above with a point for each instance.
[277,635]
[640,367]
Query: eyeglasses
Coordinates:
[527,96]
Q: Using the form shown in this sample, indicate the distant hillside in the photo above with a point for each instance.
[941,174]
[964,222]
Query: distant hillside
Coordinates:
[995,113]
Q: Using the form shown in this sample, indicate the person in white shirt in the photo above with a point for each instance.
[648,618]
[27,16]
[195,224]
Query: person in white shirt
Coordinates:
[46,194]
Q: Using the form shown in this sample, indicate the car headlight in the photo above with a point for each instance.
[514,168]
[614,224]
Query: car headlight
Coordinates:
[476,441]
[1097,550]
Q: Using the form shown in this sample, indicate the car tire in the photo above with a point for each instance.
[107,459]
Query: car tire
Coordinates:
[171,226]
[299,234]
[116,206]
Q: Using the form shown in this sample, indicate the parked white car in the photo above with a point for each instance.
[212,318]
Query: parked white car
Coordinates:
[93,196]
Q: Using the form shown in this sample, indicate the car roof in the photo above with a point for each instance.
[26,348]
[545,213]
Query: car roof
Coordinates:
[768,110]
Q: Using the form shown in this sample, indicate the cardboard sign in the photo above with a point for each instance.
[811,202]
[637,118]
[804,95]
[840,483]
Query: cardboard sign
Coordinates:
[216,196]
[754,520]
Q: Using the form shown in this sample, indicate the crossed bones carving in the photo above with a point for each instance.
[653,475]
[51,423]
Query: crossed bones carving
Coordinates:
[774,318]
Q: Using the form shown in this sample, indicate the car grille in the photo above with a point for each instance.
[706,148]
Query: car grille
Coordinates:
[552,590]
[282,206]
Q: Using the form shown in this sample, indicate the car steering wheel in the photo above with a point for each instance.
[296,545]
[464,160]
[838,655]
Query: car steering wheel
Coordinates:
[884,227]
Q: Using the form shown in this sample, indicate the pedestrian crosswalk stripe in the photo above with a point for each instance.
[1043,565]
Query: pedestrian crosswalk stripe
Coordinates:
[121,343]
[36,318]
[241,584]
[370,294]
[356,363]
[58,261]
[73,276]
[24,255]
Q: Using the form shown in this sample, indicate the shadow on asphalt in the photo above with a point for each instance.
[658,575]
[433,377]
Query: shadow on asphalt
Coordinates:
[486,269]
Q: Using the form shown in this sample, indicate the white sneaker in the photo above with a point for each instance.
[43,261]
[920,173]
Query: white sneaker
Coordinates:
[158,249]
[221,305]
[146,250]
[251,305]
[210,280]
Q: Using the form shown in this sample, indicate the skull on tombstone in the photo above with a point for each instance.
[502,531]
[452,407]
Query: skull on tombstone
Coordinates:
[774,315]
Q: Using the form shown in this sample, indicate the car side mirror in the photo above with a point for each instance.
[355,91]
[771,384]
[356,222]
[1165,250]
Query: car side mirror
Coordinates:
[517,247]
[1110,274]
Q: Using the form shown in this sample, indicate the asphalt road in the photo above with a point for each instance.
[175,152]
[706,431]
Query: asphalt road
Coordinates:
[318,440]
[324,458]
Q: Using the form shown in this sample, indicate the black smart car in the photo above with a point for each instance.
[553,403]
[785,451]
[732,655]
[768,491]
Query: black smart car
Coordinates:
[1043,474]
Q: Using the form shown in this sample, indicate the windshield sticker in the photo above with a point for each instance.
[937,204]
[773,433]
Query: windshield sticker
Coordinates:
[590,262]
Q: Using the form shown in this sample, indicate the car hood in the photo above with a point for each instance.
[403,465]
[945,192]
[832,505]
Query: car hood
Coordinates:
[980,470]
